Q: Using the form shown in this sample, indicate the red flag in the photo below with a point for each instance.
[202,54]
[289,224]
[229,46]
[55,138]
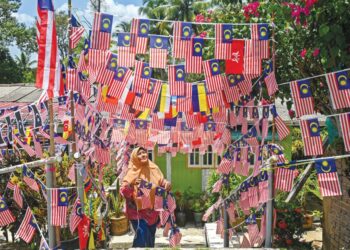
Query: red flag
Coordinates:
[310,130]
[302,97]
[182,33]
[49,76]
[339,89]
[345,129]
[6,217]
[235,64]
[327,177]
[84,232]
[223,41]
[101,31]
[27,228]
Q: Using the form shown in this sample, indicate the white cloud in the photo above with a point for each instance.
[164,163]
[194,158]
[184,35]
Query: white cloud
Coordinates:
[24,18]
[63,7]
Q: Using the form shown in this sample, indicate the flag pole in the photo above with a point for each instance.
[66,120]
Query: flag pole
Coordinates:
[54,233]
[269,205]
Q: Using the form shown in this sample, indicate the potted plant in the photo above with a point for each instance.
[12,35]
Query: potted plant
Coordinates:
[180,206]
[197,208]
[119,224]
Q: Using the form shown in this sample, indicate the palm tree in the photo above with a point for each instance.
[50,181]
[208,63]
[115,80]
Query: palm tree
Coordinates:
[123,27]
[24,63]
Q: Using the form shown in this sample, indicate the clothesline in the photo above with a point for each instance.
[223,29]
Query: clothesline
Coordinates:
[204,23]
[312,77]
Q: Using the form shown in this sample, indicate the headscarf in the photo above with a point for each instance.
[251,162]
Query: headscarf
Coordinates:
[149,171]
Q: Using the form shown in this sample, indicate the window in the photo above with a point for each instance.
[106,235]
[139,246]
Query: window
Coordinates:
[208,160]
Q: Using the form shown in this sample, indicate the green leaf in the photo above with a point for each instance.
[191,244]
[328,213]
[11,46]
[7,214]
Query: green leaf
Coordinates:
[324,29]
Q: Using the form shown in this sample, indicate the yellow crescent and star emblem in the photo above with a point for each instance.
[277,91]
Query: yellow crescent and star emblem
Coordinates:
[304,88]
[121,72]
[263,31]
[314,127]
[63,197]
[215,67]
[2,205]
[197,47]
[186,31]
[106,23]
[179,73]
[342,80]
[146,71]
[113,63]
[144,28]
[325,167]
[158,43]
[227,34]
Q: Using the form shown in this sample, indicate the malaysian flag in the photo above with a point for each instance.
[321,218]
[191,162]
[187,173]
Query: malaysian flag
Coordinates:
[339,89]
[253,229]
[59,207]
[251,137]
[217,186]
[245,241]
[142,76]
[119,82]
[157,123]
[223,41]
[231,90]
[77,30]
[72,81]
[310,130]
[263,187]
[253,194]
[282,129]
[207,213]
[17,196]
[224,166]
[302,97]
[284,177]
[251,65]
[126,50]
[171,204]
[28,177]
[182,33]
[345,129]
[260,40]
[76,216]
[265,121]
[271,83]
[212,75]
[199,98]
[231,211]
[27,228]
[105,74]
[145,187]
[175,237]
[6,217]
[150,98]
[328,177]
[244,83]
[158,51]
[158,199]
[49,75]
[184,103]
[276,150]
[101,31]
[176,79]
[140,30]
[194,56]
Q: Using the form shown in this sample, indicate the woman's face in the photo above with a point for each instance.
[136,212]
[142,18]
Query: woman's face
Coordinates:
[142,155]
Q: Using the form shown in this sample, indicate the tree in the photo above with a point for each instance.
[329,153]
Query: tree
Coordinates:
[9,70]
[62,33]
[25,65]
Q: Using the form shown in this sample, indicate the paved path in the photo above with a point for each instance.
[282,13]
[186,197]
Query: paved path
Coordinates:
[192,237]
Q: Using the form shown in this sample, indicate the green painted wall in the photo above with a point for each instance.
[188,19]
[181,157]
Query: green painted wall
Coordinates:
[182,177]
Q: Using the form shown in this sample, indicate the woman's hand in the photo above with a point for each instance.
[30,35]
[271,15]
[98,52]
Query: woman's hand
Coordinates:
[167,186]
[137,181]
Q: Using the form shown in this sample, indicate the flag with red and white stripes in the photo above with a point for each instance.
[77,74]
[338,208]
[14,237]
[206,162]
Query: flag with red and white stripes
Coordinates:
[59,207]
[126,49]
[212,75]
[244,83]
[223,41]
[182,32]
[158,199]
[176,80]
[77,30]
[28,178]
[171,203]
[101,31]
[142,76]
[310,131]
[260,40]
[140,30]
[263,187]
[175,237]
[28,227]
[284,176]
[76,216]
[106,73]
[17,196]
[119,83]
[345,129]
[158,51]
[327,176]
[151,96]
[215,99]
[282,129]
[6,217]
[245,241]
[194,55]
[224,166]
[253,193]
[271,83]
[339,89]
[49,75]
[302,97]
[231,90]
[251,65]
[208,212]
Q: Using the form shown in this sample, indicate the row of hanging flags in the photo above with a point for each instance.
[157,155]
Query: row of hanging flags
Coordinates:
[65,207]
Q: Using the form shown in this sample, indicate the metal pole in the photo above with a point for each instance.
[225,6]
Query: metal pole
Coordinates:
[51,181]
[168,166]
[226,234]
[269,210]
[79,178]
[30,164]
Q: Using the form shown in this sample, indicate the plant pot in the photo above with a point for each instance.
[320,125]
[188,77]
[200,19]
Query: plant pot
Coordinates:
[70,244]
[308,220]
[119,226]
[198,219]
[181,218]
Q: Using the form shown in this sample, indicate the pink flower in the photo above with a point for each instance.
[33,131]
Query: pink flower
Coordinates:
[251,9]
[303,53]
[208,20]
[200,18]
[291,113]
[316,52]
[203,34]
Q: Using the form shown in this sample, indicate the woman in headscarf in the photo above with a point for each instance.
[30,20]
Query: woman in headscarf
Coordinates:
[144,221]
